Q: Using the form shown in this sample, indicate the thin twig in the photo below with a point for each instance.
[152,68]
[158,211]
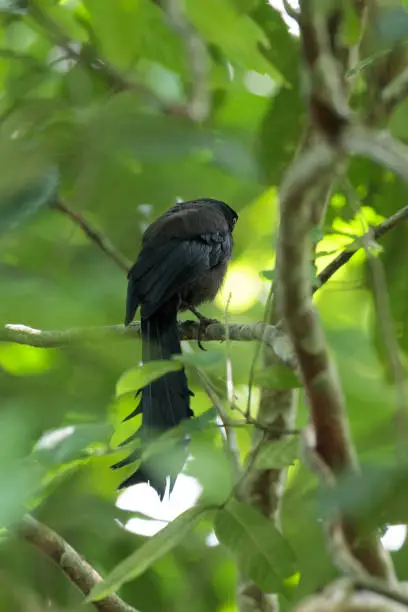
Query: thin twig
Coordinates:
[94,235]
[231,444]
[376,233]
[74,566]
[251,422]
[257,353]
[228,364]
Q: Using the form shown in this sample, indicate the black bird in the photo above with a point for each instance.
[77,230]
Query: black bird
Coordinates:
[182,264]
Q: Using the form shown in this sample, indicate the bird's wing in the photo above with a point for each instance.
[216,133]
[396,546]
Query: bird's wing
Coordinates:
[163,269]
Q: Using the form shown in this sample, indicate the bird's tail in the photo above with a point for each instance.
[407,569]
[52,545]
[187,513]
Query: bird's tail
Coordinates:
[164,403]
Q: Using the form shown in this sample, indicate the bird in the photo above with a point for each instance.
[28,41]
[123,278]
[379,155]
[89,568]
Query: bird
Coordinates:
[182,264]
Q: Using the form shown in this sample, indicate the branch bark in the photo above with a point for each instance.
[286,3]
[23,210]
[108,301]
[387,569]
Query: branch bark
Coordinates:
[352,596]
[325,398]
[330,139]
[272,336]
[74,566]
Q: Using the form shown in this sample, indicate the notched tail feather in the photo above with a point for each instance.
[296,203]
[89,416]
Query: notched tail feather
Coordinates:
[164,404]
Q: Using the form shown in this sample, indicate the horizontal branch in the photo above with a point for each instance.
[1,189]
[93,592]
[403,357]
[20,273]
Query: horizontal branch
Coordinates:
[74,566]
[271,335]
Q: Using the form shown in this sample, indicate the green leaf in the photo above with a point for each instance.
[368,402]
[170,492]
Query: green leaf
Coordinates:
[71,446]
[375,497]
[155,138]
[241,41]
[128,30]
[268,274]
[262,552]
[137,378]
[16,206]
[211,467]
[168,442]
[316,234]
[19,483]
[278,455]
[277,376]
[118,26]
[351,28]
[201,422]
[145,556]
[204,359]
[20,477]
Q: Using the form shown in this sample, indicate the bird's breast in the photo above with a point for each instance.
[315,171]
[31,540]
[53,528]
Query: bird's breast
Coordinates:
[203,288]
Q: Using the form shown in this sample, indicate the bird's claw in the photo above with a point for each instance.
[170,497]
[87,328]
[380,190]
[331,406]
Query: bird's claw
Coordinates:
[204,322]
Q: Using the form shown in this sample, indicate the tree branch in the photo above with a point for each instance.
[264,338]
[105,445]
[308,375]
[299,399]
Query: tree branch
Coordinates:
[96,237]
[74,566]
[349,595]
[326,401]
[322,159]
[264,488]
[325,398]
[272,336]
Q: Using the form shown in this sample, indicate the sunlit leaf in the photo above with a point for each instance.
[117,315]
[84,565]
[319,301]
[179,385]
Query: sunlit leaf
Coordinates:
[137,378]
[210,17]
[25,360]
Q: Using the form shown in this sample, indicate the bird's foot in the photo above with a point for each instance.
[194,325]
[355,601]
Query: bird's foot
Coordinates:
[203,323]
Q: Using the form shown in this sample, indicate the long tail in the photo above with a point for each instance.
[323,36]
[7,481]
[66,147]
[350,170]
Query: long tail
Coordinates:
[164,403]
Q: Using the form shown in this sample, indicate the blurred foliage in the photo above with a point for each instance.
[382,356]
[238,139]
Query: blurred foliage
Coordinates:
[120,158]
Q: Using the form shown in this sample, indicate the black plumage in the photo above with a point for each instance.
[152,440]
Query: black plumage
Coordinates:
[182,264]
